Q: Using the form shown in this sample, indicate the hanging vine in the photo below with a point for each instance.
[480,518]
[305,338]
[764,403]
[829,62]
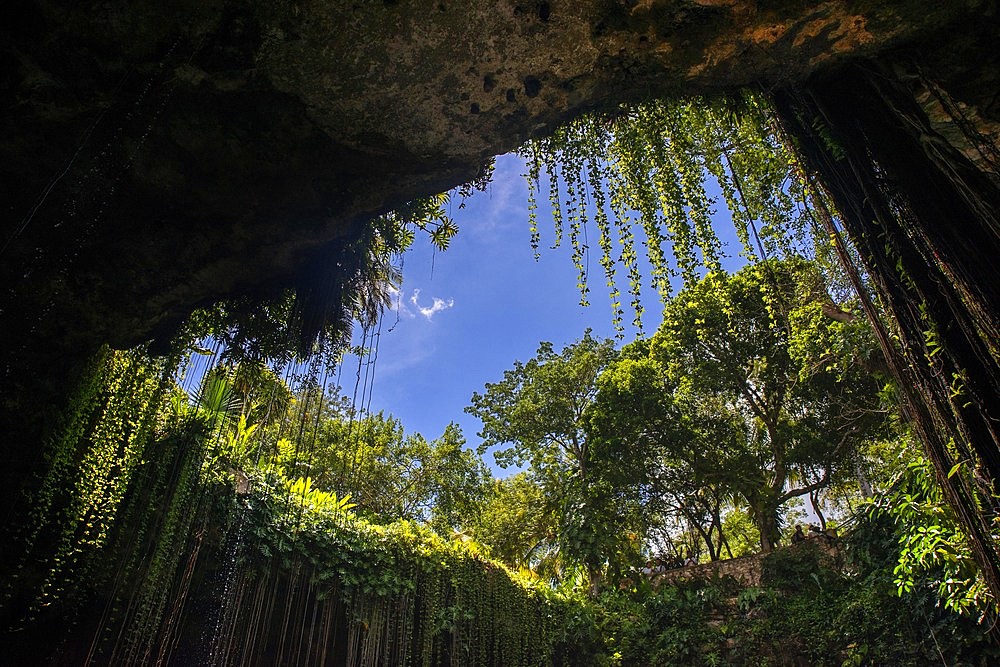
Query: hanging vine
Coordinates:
[111,423]
[947,362]
[657,166]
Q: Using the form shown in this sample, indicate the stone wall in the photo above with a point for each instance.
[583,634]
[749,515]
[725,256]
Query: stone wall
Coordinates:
[747,570]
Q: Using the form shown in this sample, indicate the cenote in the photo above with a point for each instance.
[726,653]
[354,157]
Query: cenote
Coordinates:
[500,333]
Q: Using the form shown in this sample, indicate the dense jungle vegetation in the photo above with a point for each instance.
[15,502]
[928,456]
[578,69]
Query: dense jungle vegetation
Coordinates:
[230,503]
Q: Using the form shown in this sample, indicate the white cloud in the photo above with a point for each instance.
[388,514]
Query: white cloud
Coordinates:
[437,305]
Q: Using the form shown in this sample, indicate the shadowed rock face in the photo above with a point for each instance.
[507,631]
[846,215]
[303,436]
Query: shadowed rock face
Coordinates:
[161,156]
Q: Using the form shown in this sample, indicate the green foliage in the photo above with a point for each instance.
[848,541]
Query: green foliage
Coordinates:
[933,551]
[805,568]
[389,474]
[309,499]
[112,422]
[809,609]
[353,283]
[779,417]
[651,166]
[449,597]
[518,526]
[747,397]
[541,408]
[145,476]
[188,471]
[909,609]
[742,535]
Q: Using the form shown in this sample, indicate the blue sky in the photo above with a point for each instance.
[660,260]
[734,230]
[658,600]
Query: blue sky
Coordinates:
[466,314]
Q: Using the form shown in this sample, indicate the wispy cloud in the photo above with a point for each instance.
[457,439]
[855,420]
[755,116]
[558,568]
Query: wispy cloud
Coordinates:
[401,307]
[437,305]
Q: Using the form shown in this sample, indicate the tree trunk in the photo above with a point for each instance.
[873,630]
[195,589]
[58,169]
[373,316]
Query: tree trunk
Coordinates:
[814,501]
[864,484]
[766,519]
[717,523]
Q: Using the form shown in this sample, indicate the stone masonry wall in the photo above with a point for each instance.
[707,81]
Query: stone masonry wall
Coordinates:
[747,569]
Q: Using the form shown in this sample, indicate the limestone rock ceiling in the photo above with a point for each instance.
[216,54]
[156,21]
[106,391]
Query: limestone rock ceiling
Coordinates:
[159,156]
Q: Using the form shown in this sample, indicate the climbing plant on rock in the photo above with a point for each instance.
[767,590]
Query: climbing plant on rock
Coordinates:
[104,436]
[940,305]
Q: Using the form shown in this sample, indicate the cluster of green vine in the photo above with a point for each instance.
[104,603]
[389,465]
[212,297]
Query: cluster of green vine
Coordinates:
[111,422]
[114,518]
[656,167]
[144,472]
[429,600]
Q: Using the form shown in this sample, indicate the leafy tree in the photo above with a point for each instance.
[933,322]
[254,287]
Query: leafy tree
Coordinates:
[517,525]
[457,480]
[540,408]
[664,461]
[775,400]
[389,474]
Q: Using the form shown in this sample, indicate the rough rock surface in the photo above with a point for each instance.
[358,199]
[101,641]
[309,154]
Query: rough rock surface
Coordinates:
[163,155]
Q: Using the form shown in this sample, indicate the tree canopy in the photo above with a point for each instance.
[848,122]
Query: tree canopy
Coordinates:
[749,395]
[774,402]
